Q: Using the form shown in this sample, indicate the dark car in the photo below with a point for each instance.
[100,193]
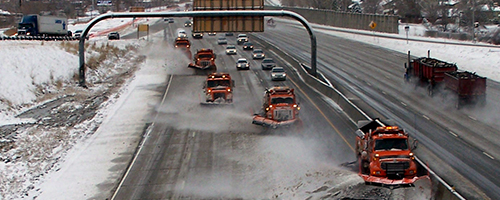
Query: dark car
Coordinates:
[229,34]
[188,23]
[267,64]
[171,20]
[197,35]
[212,34]
[113,36]
[247,46]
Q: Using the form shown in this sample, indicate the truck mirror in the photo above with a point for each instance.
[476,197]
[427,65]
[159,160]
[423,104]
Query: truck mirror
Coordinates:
[414,145]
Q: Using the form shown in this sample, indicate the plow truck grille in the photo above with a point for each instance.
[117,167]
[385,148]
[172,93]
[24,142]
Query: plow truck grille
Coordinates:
[204,63]
[395,168]
[219,95]
[283,114]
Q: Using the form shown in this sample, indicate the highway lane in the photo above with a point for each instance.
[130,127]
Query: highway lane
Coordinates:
[195,151]
[373,74]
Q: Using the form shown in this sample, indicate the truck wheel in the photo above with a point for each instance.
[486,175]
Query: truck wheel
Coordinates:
[364,166]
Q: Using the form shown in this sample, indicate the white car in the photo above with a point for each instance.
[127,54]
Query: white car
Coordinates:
[278,73]
[242,38]
[230,50]
[181,33]
[222,40]
[242,63]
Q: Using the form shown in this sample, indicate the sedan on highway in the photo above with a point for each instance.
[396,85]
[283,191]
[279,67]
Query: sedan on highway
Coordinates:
[188,23]
[222,40]
[248,46]
[267,64]
[197,35]
[278,73]
[258,54]
[230,50]
[242,63]
[113,36]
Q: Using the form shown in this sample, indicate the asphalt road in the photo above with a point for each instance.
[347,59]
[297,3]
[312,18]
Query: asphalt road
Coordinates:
[214,152]
[455,143]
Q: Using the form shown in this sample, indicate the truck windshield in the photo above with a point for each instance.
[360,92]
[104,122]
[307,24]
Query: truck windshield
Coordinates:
[216,83]
[205,56]
[276,100]
[388,144]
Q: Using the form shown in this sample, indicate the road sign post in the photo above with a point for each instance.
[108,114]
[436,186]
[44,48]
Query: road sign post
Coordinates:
[407,29]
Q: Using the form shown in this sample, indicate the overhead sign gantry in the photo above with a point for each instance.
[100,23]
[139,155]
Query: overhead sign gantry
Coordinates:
[210,13]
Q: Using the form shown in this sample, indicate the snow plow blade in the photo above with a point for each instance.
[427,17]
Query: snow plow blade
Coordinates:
[215,103]
[198,67]
[259,120]
[385,182]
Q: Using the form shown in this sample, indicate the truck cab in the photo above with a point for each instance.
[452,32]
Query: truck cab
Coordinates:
[218,88]
[385,155]
[280,107]
[204,59]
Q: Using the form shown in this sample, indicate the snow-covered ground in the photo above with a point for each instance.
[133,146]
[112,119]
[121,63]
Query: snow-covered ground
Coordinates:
[32,70]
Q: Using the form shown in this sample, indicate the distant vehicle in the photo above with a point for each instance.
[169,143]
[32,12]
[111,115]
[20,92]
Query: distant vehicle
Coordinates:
[78,33]
[188,23]
[242,38]
[231,50]
[248,46]
[197,35]
[229,34]
[242,63]
[113,36]
[183,43]
[278,73]
[222,40]
[267,63]
[171,20]
[181,33]
[258,54]
[218,89]
[38,25]
[212,34]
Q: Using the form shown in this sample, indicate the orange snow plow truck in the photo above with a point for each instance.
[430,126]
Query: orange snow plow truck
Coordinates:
[280,108]
[183,44]
[385,157]
[218,89]
[204,59]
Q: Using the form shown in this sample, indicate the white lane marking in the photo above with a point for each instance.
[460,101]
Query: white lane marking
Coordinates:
[452,133]
[491,157]
[472,117]
[426,117]
[383,92]
[404,104]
